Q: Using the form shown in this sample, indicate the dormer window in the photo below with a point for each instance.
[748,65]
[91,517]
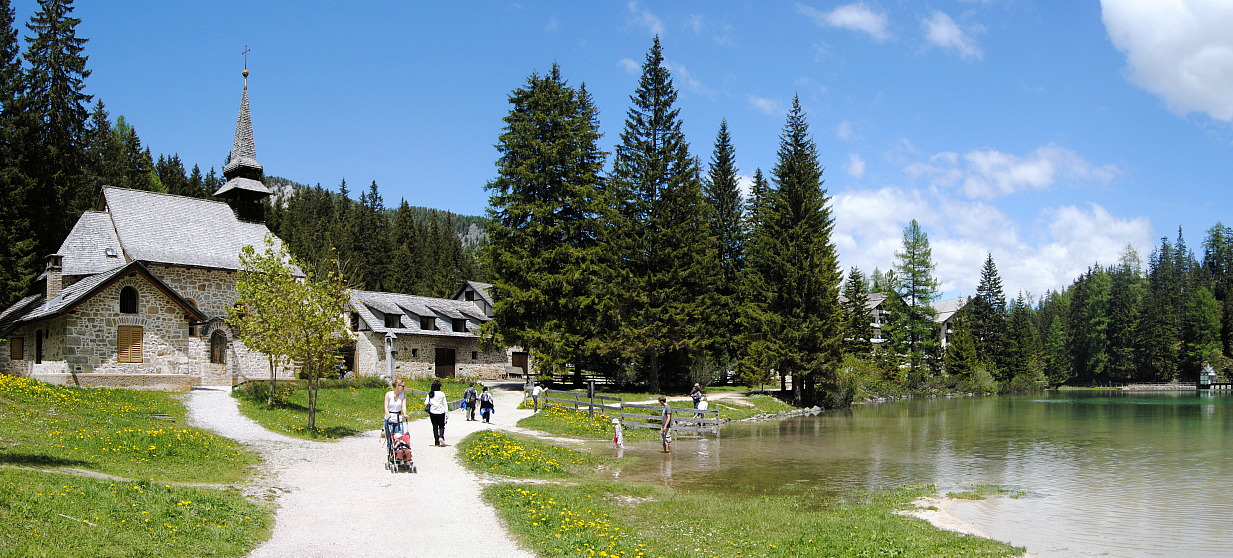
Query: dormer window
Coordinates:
[460,325]
[428,322]
[469,295]
[128,300]
[393,320]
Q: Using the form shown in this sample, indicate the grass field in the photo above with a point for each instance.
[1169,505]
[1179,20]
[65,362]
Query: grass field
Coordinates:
[46,514]
[111,431]
[344,407]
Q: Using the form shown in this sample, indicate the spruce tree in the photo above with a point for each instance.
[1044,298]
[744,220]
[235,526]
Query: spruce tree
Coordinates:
[798,266]
[664,269]
[858,317]
[1125,306]
[988,319]
[19,258]
[546,207]
[1026,350]
[913,331]
[722,191]
[1200,333]
[55,99]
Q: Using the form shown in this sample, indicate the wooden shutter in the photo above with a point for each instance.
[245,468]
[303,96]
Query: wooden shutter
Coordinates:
[17,348]
[129,344]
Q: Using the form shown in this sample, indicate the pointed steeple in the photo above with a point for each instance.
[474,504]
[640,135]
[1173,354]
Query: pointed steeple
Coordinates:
[243,172]
[244,190]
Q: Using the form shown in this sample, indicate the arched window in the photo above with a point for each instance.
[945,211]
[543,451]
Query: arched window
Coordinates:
[128,300]
[218,348]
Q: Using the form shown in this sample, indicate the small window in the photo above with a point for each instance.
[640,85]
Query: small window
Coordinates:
[474,355]
[428,322]
[17,348]
[393,320]
[415,353]
[192,326]
[128,301]
[470,295]
[129,343]
[460,325]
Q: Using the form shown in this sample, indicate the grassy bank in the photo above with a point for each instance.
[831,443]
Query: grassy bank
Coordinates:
[588,517]
[47,514]
[112,431]
[344,407]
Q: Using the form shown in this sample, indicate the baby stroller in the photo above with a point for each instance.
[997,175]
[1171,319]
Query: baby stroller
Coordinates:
[398,449]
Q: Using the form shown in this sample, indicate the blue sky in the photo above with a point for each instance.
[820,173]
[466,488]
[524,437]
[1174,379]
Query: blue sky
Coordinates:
[1050,134]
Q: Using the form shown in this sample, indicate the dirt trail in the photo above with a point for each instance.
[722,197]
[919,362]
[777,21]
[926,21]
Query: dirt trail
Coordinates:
[337,498]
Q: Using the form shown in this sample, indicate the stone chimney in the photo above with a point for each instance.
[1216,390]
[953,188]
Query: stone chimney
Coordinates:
[55,277]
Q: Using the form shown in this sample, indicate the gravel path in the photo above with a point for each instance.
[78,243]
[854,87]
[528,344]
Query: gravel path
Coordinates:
[337,498]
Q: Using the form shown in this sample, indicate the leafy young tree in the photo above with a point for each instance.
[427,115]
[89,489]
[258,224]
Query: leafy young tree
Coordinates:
[797,265]
[664,265]
[305,325]
[722,191]
[546,209]
[913,331]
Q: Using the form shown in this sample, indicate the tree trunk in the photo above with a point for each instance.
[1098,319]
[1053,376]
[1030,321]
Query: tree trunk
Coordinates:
[312,395]
[273,384]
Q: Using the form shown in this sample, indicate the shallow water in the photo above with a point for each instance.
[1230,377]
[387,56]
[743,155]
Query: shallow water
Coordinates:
[1105,473]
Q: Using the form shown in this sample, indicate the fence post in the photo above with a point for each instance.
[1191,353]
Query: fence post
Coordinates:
[591,396]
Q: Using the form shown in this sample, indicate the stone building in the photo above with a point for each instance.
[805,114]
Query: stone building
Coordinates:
[424,337]
[137,294]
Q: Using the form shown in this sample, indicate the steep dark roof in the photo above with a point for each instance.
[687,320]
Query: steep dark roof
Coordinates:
[163,228]
[36,307]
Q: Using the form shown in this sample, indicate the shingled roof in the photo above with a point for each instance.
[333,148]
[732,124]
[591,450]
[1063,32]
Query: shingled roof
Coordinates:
[371,304]
[92,246]
[37,307]
[162,228]
[242,171]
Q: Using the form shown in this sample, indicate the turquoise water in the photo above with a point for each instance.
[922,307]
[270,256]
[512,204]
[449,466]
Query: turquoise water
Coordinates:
[1105,473]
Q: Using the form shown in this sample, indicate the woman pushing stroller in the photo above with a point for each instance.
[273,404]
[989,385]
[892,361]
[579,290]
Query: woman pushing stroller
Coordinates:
[395,408]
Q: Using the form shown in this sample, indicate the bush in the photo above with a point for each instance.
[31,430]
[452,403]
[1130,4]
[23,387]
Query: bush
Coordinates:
[981,380]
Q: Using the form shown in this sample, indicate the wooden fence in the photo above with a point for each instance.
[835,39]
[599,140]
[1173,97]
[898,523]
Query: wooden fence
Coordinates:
[684,420]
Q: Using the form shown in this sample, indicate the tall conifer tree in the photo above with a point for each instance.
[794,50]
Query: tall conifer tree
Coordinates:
[664,270]
[546,207]
[798,266]
[858,318]
[19,261]
[722,190]
[988,320]
[56,100]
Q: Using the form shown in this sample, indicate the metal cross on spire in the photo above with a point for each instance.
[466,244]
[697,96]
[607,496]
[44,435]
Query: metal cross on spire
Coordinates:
[245,53]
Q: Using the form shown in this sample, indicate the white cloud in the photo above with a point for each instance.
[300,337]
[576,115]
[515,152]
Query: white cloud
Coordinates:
[856,166]
[645,18]
[942,31]
[629,66]
[856,17]
[989,173]
[1180,50]
[844,131]
[682,75]
[745,185]
[1064,241]
[767,106]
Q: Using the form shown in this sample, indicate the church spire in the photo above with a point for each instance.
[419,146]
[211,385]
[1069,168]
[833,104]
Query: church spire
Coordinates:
[244,190]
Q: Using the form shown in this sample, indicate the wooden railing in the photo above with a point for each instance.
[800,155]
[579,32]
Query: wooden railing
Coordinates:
[633,415]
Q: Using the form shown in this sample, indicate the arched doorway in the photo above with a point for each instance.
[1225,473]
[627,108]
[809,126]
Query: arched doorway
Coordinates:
[218,348]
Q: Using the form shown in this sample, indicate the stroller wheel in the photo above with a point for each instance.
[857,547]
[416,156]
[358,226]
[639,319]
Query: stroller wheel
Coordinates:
[413,468]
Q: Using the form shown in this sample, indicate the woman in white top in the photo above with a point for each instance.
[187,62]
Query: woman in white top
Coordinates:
[437,406]
[395,408]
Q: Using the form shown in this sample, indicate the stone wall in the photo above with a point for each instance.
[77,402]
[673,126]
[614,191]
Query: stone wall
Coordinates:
[416,356]
[212,289]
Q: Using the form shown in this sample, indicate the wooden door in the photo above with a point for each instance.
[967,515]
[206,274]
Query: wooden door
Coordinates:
[445,363]
[519,360]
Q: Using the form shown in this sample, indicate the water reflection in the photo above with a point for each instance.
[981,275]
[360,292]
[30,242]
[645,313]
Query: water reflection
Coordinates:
[1106,473]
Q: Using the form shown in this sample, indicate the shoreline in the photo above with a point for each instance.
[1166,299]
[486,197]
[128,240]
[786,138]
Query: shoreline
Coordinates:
[936,510]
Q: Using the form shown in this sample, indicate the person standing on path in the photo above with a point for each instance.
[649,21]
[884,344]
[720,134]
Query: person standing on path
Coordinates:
[395,408]
[468,399]
[486,405]
[535,393]
[437,407]
[696,394]
[665,431]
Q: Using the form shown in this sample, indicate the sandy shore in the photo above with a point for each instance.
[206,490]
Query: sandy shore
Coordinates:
[936,510]
[337,498]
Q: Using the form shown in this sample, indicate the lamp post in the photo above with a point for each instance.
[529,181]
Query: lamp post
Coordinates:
[390,340]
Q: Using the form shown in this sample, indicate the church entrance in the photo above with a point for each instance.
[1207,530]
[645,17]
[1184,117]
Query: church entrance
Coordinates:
[218,348]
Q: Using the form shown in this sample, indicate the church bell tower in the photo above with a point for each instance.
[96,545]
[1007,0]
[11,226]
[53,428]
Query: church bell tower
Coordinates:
[244,191]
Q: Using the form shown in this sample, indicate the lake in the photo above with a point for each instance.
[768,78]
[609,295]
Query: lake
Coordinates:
[1104,473]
